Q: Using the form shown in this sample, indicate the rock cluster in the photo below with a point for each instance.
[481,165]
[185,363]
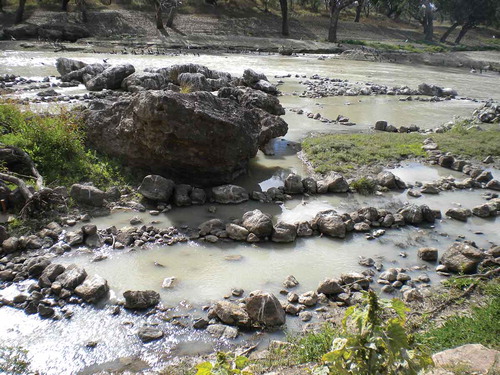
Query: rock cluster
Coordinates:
[488,112]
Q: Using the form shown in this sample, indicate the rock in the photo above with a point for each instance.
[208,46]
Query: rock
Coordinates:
[222,331]
[50,274]
[488,160]
[258,223]
[156,188]
[93,289]
[200,323]
[111,78]
[330,287]
[336,183]
[195,138]
[198,196]
[475,357]
[430,188]
[284,232]
[194,82]
[74,238]
[446,161]
[381,125]
[390,275]
[213,226]
[65,66]
[305,316]
[144,81]
[141,299]
[310,185]
[412,214]
[308,298]
[86,194]
[493,185]
[390,181]
[49,92]
[7,275]
[10,245]
[231,314]
[362,227]
[290,282]
[229,194]
[181,195]
[250,98]
[304,229]
[461,257]
[412,295]
[36,265]
[293,184]
[430,90]
[459,213]
[428,253]
[366,262]
[148,334]
[168,282]
[330,223]
[71,277]
[484,177]
[45,311]
[482,210]
[84,74]
[265,309]
[236,232]
[354,278]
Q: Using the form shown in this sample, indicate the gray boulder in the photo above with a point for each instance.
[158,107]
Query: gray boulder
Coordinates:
[194,82]
[88,195]
[428,253]
[231,313]
[258,223]
[264,309]
[330,223]
[93,289]
[65,65]
[412,214]
[229,194]
[182,195]
[141,299]
[430,90]
[460,214]
[293,184]
[236,232]
[156,188]
[284,232]
[111,78]
[461,257]
[390,181]
[144,81]
[330,287]
[148,334]
[84,74]
[250,98]
[72,277]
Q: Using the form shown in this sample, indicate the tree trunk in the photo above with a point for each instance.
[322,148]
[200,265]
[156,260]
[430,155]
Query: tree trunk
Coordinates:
[466,27]
[171,16]
[64,5]
[428,22]
[284,17]
[448,32]
[20,11]
[82,8]
[159,19]
[359,9]
[334,20]
[1,6]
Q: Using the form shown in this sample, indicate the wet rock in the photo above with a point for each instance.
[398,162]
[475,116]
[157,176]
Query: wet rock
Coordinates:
[213,226]
[236,232]
[310,185]
[229,194]
[381,125]
[493,185]
[290,282]
[430,188]
[354,278]
[50,274]
[428,253]
[483,210]
[330,287]
[390,181]
[461,257]
[330,223]
[198,196]
[200,323]
[65,66]
[111,78]
[305,316]
[156,188]
[446,161]
[412,214]
[284,232]
[36,265]
[430,90]
[231,314]
[258,223]
[390,275]
[93,289]
[182,195]
[366,262]
[7,275]
[460,214]
[86,194]
[45,311]
[148,334]
[141,299]
[74,238]
[362,227]
[336,183]
[168,282]
[10,245]
[412,295]
[293,184]
[308,298]
[484,177]
[71,277]
[265,309]
[222,331]
[304,229]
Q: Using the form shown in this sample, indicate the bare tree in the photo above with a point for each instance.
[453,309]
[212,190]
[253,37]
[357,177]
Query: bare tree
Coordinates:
[284,18]
[165,5]
[20,11]
[336,6]
[359,9]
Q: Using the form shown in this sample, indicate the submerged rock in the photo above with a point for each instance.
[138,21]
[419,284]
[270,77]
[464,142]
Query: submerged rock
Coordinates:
[141,299]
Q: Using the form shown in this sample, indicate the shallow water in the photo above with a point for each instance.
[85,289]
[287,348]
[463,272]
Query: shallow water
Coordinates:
[207,272]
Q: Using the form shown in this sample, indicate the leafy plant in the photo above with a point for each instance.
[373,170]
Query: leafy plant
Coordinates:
[225,364]
[186,89]
[312,346]
[364,186]
[375,342]
[14,361]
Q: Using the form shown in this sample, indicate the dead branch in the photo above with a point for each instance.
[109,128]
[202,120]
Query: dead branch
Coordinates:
[23,188]
[12,156]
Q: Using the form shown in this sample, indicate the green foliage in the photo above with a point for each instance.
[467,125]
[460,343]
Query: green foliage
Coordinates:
[364,186]
[310,347]
[345,152]
[375,342]
[469,143]
[56,145]
[225,364]
[14,361]
[186,89]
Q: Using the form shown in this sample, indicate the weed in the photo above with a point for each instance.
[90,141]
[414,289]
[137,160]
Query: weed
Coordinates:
[364,186]
[310,347]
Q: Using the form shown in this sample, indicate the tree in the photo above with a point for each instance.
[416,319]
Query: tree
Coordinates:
[423,12]
[336,6]
[359,9]
[20,11]
[468,14]
[284,18]
[391,8]
[168,5]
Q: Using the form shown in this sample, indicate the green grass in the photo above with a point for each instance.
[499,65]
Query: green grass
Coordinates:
[479,326]
[407,47]
[56,145]
[344,153]
[469,143]
[364,186]
[310,347]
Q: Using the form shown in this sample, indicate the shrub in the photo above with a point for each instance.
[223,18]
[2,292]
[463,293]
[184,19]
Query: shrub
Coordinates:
[310,347]
[225,364]
[364,186]
[14,361]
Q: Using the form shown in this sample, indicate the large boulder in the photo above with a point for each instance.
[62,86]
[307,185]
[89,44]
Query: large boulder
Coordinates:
[72,277]
[250,98]
[258,223]
[86,194]
[229,194]
[196,138]
[144,81]
[430,90]
[141,299]
[231,313]
[92,289]
[65,65]
[265,309]
[284,232]
[330,223]
[111,78]
[390,181]
[84,74]
[462,257]
[156,188]
[412,214]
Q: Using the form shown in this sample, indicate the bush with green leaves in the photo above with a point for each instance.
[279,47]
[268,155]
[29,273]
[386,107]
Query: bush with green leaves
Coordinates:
[225,364]
[374,341]
[14,361]
[56,145]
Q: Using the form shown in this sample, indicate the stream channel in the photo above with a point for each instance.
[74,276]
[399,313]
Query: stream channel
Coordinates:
[207,272]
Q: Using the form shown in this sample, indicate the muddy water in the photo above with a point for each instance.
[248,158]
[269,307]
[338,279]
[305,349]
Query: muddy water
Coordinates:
[207,272]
